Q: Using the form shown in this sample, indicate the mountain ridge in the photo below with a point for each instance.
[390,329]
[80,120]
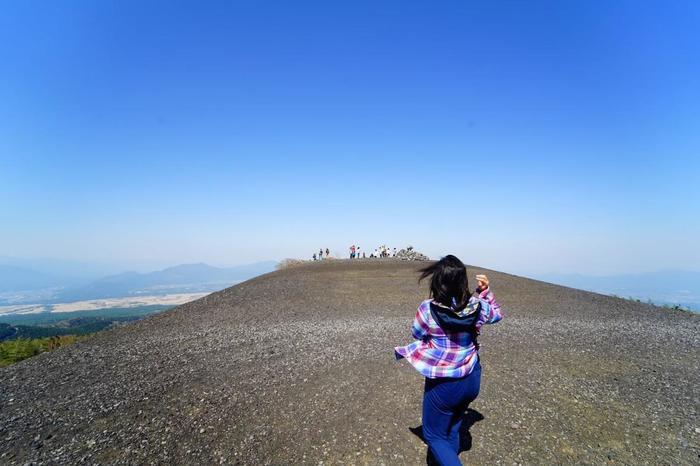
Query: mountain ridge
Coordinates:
[183,277]
[297,366]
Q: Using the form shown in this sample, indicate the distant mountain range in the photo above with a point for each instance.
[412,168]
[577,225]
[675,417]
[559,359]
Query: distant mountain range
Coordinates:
[181,278]
[20,285]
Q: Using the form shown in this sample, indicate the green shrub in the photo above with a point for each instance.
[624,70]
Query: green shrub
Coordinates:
[13,351]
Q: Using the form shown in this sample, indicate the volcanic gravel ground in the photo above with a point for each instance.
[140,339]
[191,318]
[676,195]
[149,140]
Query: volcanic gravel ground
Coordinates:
[297,367]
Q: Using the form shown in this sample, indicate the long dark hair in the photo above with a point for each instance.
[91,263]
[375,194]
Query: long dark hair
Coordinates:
[448,283]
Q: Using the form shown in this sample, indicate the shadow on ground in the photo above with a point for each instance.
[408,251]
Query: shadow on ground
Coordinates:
[471,417]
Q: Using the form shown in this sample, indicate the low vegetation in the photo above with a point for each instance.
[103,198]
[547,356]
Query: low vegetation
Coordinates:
[13,351]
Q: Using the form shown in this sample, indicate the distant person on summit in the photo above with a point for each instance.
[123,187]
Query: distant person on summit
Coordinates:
[446,351]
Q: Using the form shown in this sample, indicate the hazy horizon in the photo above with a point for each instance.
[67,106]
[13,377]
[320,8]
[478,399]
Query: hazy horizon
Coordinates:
[46,263]
[668,287]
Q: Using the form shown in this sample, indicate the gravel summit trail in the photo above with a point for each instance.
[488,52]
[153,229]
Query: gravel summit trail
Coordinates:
[297,367]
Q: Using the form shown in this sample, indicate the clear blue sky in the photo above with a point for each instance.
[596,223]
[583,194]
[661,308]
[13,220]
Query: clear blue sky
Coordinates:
[530,137]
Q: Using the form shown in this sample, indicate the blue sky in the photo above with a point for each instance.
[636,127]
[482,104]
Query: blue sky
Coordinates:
[531,137]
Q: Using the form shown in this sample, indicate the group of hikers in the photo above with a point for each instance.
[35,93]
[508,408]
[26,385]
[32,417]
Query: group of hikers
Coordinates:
[357,253]
[381,251]
[320,254]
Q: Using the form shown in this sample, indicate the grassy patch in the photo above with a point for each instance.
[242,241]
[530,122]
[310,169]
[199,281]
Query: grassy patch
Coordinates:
[13,351]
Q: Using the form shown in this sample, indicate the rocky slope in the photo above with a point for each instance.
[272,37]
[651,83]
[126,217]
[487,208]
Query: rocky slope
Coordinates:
[297,367]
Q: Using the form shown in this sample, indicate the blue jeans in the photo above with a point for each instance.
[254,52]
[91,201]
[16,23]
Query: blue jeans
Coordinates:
[444,402]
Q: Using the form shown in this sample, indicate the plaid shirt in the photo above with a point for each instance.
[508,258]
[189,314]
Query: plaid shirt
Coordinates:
[436,353]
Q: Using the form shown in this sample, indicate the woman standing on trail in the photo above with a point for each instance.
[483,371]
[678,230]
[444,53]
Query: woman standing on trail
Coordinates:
[446,351]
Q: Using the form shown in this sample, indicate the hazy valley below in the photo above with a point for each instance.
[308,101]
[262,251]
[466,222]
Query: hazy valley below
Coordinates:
[99,304]
[40,311]
[663,288]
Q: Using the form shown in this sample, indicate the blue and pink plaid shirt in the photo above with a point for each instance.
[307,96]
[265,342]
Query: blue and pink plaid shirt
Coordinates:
[437,353]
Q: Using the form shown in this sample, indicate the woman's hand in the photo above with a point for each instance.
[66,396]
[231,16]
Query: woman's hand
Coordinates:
[483,282]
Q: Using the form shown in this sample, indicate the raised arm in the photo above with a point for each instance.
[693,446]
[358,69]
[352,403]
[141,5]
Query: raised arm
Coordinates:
[490,311]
